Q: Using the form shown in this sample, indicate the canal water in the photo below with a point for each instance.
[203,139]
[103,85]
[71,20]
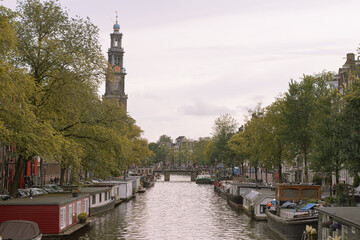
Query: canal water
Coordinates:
[179,209]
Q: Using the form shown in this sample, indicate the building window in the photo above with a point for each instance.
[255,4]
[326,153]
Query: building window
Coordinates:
[106,196]
[62,217]
[100,197]
[262,208]
[86,205]
[70,213]
[353,230]
[94,199]
[78,208]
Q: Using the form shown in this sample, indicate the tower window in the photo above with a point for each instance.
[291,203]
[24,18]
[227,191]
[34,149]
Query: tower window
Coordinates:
[116,42]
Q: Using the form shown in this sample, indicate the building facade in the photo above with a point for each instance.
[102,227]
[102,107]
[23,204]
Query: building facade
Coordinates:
[115,81]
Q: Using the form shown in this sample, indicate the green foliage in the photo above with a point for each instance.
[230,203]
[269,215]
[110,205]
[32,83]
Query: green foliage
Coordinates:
[317,179]
[82,216]
[349,129]
[224,128]
[330,200]
[356,180]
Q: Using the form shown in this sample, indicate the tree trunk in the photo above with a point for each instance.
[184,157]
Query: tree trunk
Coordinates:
[266,173]
[62,174]
[42,173]
[280,180]
[306,169]
[242,169]
[256,172]
[19,167]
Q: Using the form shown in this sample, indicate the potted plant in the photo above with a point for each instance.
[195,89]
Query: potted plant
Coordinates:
[82,217]
[76,193]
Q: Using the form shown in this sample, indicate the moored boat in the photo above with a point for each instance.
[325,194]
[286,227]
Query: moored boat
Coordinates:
[20,229]
[255,202]
[204,179]
[290,224]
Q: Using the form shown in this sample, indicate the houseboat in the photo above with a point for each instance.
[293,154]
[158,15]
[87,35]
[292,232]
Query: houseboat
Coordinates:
[100,199]
[234,191]
[54,213]
[255,202]
[290,223]
[341,222]
[147,180]
[115,189]
[136,182]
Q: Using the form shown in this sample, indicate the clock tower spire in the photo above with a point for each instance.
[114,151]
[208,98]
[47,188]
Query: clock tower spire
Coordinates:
[115,87]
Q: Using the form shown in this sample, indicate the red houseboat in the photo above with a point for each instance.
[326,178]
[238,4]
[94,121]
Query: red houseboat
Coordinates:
[54,213]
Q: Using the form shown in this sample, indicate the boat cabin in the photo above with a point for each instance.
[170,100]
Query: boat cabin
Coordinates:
[115,189]
[255,202]
[136,182]
[339,221]
[54,213]
[295,193]
[239,189]
[100,199]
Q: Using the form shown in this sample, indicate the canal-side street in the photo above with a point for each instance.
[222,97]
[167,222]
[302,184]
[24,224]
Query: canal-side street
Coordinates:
[178,209]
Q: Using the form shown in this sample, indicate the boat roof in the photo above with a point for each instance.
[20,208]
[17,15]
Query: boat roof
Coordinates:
[251,185]
[257,196]
[59,198]
[94,190]
[348,214]
[19,229]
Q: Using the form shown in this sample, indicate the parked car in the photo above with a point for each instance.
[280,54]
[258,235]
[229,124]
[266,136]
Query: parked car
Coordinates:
[55,187]
[31,192]
[5,197]
[21,193]
[49,189]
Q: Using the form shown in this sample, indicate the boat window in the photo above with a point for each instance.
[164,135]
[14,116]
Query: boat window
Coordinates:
[290,193]
[86,205]
[309,193]
[70,213]
[262,208]
[78,208]
[62,217]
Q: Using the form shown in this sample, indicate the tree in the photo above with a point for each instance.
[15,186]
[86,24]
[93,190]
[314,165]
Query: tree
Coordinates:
[299,115]
[254,136]
[199,151]
[224,127]
[325,155]
[19,124]
[349,129]
[274,147]
[164,144]
[239,146]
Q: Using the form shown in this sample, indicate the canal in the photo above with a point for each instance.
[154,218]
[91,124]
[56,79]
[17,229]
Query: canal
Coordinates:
[178,209]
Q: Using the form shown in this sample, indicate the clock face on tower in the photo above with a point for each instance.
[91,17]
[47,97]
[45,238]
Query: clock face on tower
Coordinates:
[117,69]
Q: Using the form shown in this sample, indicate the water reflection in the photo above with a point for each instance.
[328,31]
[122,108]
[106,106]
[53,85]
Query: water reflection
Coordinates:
[178,209]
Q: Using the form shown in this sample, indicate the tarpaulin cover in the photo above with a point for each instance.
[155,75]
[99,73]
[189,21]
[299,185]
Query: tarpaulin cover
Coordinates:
[19,229]
[308,206]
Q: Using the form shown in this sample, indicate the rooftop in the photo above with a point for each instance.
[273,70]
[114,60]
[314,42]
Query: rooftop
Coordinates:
[349,214]
[45,199]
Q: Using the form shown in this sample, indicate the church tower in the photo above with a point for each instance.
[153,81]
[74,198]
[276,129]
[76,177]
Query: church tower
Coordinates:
[115,87]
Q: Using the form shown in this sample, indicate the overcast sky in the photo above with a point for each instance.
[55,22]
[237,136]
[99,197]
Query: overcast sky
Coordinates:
[189,61]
